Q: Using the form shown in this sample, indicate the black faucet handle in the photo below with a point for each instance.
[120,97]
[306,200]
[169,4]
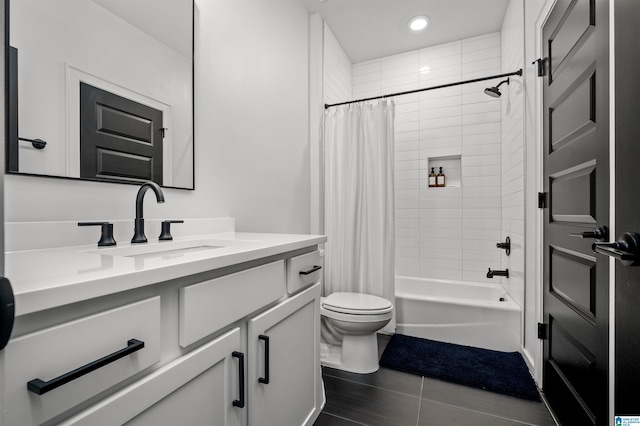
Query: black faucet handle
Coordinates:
[106,234]
[505,246]
[165,233]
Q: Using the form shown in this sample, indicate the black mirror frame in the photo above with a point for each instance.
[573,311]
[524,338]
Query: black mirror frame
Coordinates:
[11,131]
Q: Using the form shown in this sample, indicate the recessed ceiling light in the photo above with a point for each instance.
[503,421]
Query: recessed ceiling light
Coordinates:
[425,69]
[418,23]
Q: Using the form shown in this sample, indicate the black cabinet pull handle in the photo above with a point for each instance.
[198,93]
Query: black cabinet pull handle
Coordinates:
[265,379]
[311,271]
[40,387]
[240,356]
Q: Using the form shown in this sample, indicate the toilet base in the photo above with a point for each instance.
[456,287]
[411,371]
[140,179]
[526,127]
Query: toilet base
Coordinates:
[357,354]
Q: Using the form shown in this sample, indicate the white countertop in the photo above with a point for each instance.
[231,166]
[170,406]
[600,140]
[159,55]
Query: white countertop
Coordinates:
[43,279]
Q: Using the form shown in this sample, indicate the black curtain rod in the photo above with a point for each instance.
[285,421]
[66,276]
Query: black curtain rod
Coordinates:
[442,86]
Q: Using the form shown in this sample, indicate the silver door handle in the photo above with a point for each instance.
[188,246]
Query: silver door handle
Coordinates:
[625,249]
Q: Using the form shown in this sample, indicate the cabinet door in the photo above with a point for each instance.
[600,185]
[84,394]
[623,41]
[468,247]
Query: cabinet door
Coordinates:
[290,392]
[197,389]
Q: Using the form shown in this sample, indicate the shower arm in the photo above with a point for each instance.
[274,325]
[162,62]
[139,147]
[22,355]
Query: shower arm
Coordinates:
[502,82]
[441,86]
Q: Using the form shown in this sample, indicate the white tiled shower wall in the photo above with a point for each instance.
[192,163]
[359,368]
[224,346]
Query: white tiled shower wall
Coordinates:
[451,232]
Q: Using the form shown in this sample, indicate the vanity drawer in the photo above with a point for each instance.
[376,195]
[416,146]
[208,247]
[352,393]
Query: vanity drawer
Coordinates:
[303,270]
[209,306]
[53,352]
[196,389]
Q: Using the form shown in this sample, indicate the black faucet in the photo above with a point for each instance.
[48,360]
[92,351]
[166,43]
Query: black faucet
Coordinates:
[138,229]
[498,273]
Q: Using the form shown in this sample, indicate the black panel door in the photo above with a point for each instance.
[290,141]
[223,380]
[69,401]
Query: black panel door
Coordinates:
[120,139]
[576,176]
[627,130]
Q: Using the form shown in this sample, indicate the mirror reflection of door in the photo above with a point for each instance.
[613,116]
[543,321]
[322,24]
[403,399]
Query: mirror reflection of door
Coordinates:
[140,49]
[119,138]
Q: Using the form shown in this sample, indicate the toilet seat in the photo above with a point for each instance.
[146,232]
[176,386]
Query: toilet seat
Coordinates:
[356,304]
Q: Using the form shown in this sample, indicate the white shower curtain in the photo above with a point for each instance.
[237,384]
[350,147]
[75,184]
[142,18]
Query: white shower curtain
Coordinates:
[359,200]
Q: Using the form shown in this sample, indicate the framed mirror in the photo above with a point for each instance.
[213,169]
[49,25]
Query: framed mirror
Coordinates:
[101,90]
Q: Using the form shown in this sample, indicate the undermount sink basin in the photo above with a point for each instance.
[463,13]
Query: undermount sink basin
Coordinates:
[165,249]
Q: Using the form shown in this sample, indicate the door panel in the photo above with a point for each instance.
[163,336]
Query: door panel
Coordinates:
[573,194]
[576,176]
[574,115]
[572,280]
[119,139]
[578,18]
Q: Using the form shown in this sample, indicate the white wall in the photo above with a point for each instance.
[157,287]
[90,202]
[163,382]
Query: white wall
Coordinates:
[512,35]
[251,131]
[337,70]
[257,112]
[448,232]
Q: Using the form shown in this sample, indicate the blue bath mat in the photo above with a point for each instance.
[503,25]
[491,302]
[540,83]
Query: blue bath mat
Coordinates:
[502,372]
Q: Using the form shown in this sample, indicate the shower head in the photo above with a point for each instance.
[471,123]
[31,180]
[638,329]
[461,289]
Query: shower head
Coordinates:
[494,92]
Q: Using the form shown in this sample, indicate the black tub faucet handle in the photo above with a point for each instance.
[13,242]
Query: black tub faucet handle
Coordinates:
[506,246]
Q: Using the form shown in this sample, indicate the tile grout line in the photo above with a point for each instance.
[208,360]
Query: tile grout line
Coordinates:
[461,408]
[347,419]
[378,387]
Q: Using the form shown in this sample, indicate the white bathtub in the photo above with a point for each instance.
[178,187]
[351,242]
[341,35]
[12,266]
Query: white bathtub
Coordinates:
[459,312]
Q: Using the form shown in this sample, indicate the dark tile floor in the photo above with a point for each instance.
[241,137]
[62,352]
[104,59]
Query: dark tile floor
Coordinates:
[392,398]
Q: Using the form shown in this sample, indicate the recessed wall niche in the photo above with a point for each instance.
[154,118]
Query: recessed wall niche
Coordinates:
[450,167]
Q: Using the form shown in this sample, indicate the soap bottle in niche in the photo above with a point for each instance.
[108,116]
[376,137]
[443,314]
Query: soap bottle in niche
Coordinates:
[432,178]
[440,178]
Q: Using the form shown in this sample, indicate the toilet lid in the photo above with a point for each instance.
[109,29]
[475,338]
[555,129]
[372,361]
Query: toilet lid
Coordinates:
[357,303]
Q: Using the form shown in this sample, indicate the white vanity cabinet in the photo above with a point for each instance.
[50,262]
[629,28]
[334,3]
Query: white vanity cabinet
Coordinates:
[283,375]
[232,346]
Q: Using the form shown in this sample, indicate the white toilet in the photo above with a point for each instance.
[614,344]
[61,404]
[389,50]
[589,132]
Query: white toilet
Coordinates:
[356,318]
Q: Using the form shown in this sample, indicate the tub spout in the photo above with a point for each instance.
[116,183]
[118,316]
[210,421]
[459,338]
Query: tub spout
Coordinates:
[498,273]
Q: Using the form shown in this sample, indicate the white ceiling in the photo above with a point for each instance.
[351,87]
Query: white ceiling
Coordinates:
[368,29]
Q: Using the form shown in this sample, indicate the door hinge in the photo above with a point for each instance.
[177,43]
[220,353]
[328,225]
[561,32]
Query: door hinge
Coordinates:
[542,200]
[543,331]
[542,71]
[163,131]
